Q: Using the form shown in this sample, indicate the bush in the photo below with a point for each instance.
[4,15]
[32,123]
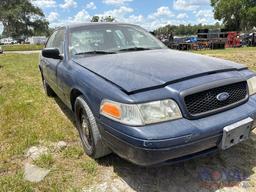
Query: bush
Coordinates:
[22,47]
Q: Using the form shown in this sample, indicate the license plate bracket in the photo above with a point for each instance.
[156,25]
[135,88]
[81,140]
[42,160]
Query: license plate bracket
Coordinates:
[236,133]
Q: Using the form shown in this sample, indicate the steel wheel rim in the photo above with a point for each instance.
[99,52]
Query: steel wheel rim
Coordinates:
[85,130]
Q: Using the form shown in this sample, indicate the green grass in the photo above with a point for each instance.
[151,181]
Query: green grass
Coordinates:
[25,111]
[45,161]
[90,167]
[73,152]
[244,55]
[15,183]
[22,47]
[29,118]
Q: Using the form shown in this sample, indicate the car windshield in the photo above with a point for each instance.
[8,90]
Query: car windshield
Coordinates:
[111,39]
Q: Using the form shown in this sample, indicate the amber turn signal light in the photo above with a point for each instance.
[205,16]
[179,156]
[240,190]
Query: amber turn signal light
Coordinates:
[111,109]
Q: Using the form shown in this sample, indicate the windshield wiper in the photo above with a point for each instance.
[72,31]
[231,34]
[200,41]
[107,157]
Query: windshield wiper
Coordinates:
[135,49]
[95,52]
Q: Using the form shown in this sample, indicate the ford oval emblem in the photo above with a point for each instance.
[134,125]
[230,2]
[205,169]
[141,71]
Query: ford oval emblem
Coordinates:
[223,96]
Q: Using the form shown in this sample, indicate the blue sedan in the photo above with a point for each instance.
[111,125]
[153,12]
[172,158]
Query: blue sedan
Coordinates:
[133,96]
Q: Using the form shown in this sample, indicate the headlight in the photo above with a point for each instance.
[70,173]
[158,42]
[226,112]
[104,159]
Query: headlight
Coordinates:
[141,114]
[252,85]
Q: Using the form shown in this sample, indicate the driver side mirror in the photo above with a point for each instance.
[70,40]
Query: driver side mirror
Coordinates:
[52,53]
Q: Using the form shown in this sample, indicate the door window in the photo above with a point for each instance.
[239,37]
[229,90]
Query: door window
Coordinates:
[50,40]
[57,41]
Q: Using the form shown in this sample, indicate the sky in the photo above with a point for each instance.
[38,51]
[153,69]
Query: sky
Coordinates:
[149,14]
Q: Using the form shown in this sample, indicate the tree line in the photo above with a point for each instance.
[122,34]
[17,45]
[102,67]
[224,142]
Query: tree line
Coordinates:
[184,30]
[236,15]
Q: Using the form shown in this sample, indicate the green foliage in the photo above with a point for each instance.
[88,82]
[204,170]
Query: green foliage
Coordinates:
[236,14]
[251,14]
[21,18]
[95,19]
[22,47]
[184,29]
[107,19]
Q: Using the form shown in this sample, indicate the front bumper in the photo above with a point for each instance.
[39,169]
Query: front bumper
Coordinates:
[174,140]
[149,157]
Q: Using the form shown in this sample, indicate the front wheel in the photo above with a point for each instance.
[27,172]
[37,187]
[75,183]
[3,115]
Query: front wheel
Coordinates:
[88,130]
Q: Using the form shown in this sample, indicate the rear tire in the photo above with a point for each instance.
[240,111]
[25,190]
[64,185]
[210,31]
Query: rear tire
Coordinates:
[88,130]
[48,90]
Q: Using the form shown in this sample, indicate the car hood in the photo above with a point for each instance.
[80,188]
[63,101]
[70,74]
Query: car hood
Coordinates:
[141,70]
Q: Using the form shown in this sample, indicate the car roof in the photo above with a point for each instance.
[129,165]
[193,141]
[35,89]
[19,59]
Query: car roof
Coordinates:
[78,25]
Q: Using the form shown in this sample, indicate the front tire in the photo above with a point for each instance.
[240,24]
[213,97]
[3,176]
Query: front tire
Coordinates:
[88,130]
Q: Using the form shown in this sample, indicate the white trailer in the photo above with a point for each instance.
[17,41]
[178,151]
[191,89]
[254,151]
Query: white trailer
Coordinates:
[37,40]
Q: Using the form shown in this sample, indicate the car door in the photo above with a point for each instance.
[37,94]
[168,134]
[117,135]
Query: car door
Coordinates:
[50,65]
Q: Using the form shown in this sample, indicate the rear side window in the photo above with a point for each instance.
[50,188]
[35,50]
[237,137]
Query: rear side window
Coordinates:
[56,41]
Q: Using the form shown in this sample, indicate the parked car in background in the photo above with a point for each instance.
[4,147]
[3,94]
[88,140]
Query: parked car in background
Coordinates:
[8,41]
[1,50]
[132,96]
[20,40]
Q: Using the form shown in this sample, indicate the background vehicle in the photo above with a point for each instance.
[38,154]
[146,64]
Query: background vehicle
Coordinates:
[148,104]
[8,41]
[1,50]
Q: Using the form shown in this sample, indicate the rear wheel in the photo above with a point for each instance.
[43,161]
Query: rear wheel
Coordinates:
[88,130]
